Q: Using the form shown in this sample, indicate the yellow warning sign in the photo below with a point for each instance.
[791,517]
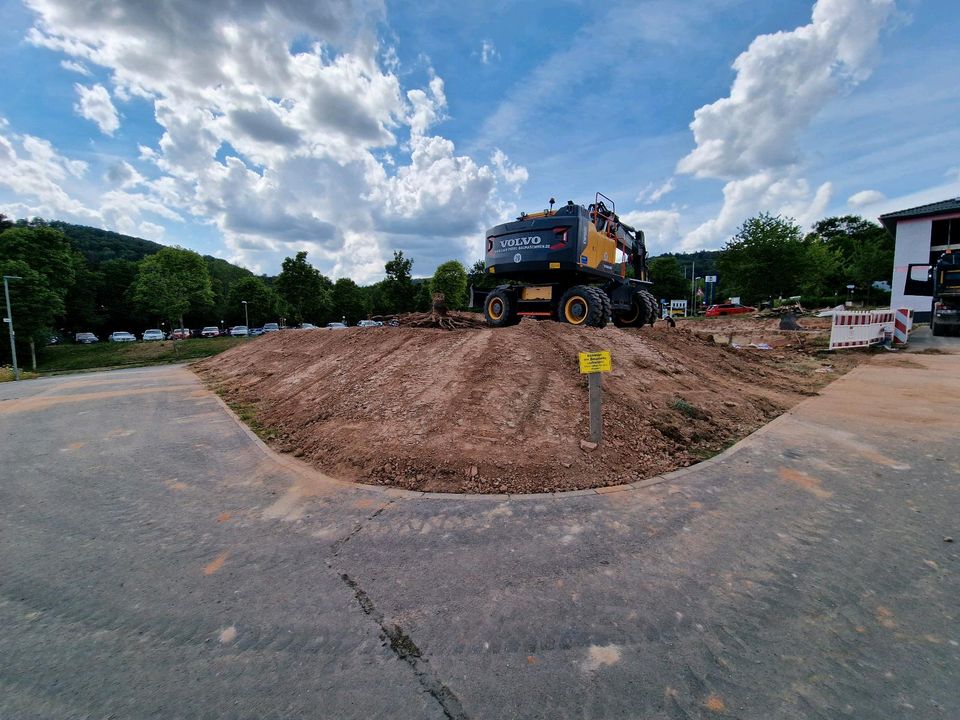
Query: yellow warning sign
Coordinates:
[594,362]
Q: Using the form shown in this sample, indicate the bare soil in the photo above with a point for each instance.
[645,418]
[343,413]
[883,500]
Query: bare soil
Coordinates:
[505,410]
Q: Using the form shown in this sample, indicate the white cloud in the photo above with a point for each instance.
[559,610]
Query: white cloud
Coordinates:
[95,105]
[661,228]
[650,194]
[782,81]
[865,197]
[76,67]
[762,192]
[488,52]
[35,171]
[124,174]
[514,175]
[284,151]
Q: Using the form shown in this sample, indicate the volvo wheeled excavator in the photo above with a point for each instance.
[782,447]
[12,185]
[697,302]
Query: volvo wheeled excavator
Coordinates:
[576,264]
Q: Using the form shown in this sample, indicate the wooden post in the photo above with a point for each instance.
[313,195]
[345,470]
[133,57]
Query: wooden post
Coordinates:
[596,419]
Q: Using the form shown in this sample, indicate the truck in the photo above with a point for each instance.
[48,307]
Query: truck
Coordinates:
[943,284]
[574,264]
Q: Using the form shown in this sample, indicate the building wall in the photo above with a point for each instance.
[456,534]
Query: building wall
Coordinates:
[913,246]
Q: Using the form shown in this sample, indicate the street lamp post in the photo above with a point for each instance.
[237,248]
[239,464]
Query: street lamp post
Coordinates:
[246,316]
[9,319]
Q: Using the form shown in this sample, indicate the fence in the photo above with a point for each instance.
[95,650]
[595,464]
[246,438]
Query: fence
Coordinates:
[854,328]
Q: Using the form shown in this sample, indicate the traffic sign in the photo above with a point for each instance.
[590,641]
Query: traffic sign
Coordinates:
[710,279]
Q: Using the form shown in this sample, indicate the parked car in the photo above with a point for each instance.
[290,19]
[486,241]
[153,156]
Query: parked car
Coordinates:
[270,327]
[210,331]
[180,334]
[307,326]
[239,331]
[369,323]
[335,326]
[154,334]
[54,340]
[728,309]
[85,338]
[121,336]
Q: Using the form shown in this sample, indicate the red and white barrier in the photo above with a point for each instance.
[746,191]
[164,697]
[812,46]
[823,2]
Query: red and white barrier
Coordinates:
[903,322]
[860,328]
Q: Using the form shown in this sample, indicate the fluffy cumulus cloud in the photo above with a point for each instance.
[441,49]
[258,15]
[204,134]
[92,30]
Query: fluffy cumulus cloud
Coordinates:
[749,138]
[864,198]
[284,124]
[34,169]
[94,104]
[661,228]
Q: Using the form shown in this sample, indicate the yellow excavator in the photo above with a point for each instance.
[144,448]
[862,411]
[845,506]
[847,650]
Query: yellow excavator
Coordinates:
[575,264]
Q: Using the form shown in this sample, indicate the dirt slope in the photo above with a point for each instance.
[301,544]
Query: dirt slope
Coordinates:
[505,410]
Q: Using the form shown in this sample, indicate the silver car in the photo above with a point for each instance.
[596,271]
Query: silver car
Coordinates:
[239,331]
[122,337]
[154,334]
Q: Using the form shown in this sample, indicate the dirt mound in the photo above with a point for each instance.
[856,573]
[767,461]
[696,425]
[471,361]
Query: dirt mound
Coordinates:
[504,410]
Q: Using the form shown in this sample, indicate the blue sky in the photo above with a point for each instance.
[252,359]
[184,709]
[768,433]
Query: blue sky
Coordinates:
[251,130]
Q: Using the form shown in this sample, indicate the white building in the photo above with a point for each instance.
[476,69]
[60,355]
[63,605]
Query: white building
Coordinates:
[921,234]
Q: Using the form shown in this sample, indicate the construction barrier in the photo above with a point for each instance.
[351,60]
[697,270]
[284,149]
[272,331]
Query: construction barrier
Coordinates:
[856,328]
[902,323]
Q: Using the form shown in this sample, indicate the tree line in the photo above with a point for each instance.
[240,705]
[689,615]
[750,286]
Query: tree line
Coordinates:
[63,290]
[771,257]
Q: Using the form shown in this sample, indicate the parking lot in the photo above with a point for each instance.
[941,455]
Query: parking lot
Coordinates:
[158,561]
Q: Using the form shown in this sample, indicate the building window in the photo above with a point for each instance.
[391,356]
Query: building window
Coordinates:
[945,232]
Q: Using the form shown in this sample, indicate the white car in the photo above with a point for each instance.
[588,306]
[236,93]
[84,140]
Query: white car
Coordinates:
[210,331]
[152,335]
[335,326]
[369,323]
[122,337]
[239,331]
[271,327]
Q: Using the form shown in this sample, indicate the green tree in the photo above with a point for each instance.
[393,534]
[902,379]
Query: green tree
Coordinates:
[348,301]
[172,283]
[767,258]
[667,278]
[264,304]
[864,250]
[34,306]
[479,278]
[450,279]
[424,297]
[305,291]
[398,289]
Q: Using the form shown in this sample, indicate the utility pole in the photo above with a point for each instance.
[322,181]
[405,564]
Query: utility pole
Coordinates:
[246,316]
[9,319]
[693,288]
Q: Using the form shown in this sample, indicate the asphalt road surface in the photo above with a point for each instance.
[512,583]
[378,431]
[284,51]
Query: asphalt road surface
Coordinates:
[157,562]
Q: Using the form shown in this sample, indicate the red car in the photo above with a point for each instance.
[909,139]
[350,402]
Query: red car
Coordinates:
[728,309]
[180,334]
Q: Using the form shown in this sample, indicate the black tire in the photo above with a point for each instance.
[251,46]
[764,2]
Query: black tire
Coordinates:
[500,309]
[581,306]
[636,316]
[604,301]
[653,306]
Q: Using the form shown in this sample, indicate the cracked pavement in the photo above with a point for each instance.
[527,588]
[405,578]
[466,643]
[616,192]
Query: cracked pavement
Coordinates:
[157,562]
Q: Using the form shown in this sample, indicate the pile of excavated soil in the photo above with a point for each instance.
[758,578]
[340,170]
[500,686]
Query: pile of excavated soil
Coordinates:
[504,411]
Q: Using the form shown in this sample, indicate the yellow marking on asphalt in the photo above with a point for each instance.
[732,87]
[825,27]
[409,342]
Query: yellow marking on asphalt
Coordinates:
[44,402]
[73,446]
[805,482]
[211,567]
[175,484]
[715,703]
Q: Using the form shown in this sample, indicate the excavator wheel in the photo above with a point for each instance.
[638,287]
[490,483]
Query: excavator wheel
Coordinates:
[499,310]
[604,301]
[636,316]
[580,305]
[652,306]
